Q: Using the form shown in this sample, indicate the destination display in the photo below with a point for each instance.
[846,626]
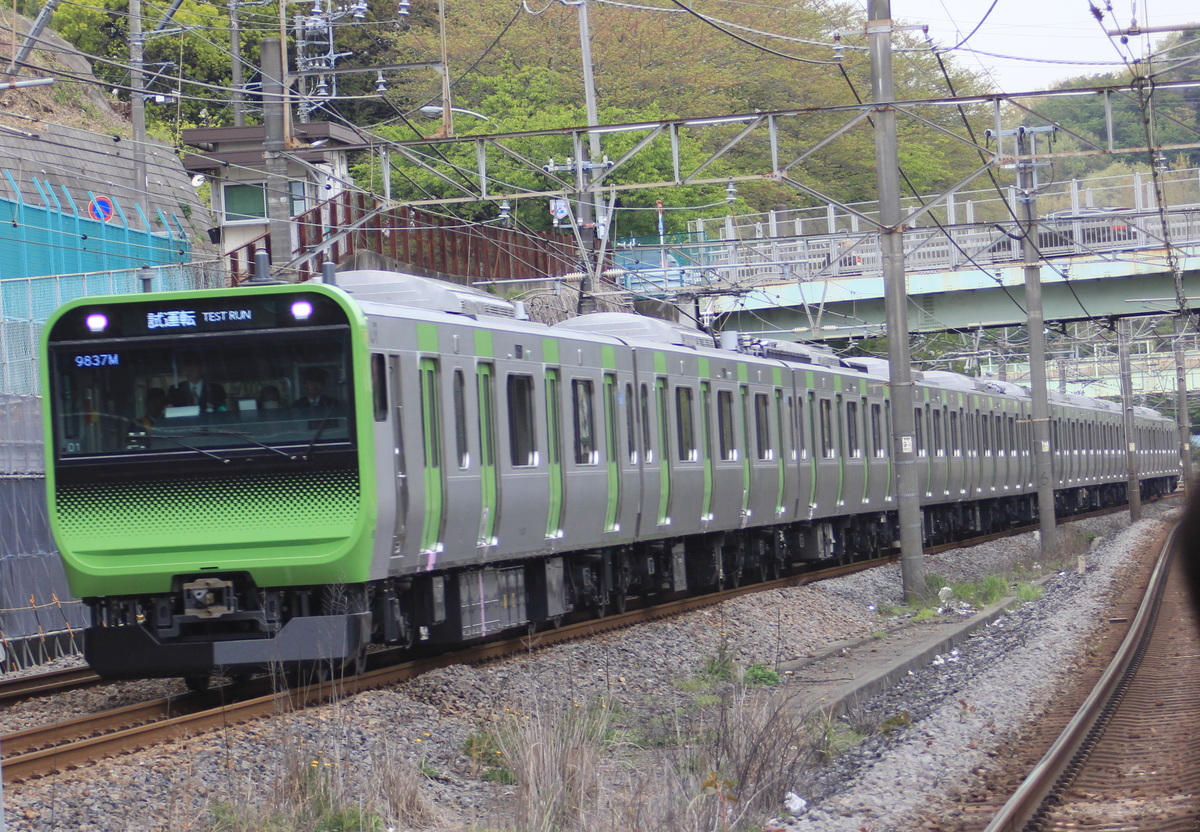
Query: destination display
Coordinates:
[198,315]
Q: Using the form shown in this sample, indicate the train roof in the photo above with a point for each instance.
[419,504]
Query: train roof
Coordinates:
[628,326]
[416,292]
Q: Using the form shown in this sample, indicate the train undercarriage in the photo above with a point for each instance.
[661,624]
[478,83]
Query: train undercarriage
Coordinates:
[226,624]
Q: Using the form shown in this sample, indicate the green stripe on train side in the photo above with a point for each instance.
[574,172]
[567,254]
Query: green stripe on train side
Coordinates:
[431,428]
[610,451]
[555,469]
[706,433]
[664,461]
[485,344]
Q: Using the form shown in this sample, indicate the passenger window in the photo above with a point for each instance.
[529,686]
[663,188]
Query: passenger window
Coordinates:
[630,426]
[877,448]
[379,387]
[827,442]
[460,420]
[584,422]
[762,426]
[852,446]
[644,404]
[431,422]
[725,432]
[685,425]
[521,439]
[938,448]
[919,432]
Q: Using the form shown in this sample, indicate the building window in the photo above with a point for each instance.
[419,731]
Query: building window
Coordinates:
[298,193]
[245,202]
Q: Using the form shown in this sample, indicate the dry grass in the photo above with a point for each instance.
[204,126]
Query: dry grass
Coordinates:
[720,768]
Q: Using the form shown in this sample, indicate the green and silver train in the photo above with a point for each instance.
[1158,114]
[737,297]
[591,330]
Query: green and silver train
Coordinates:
[280,475]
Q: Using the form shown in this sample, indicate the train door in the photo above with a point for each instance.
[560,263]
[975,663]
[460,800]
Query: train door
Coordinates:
[876,487]
[921,449]
[827,485]
[647,459]
[662,412]
[854,463]
[489,484]
[763,499]
[524,468]
[634,493]
[804,468]
[954,452]
[586,479]
[939,460]
[801,459]
[431,471]
[785,498]
[612,455]
[688,481]
[970,450]
[554,463]
[464,493]
[706,451]
[987,459]
[728,483]
[398,488]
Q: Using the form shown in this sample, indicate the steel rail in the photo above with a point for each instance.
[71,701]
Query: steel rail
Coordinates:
[37,752]
[1055,771]
[44,684]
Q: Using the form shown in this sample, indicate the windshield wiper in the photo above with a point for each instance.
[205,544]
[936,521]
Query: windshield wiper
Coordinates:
[317,434]
[252,440]
[223,460]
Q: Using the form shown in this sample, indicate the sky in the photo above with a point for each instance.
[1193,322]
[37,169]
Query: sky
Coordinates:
[1042,31]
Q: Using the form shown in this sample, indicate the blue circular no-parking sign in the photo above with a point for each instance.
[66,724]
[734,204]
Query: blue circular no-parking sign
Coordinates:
[101,208]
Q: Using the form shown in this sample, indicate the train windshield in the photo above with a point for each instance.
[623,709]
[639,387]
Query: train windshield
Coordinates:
[234,393]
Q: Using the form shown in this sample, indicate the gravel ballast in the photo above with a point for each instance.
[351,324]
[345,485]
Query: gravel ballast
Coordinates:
[425,725]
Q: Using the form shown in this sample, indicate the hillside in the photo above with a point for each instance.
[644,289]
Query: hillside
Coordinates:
[82,104]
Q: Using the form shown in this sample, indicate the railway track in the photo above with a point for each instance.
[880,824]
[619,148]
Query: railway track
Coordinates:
[49,749]
[46,684]
[1127,759]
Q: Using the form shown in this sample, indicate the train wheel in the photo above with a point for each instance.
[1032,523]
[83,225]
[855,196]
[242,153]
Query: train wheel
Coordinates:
[197,684]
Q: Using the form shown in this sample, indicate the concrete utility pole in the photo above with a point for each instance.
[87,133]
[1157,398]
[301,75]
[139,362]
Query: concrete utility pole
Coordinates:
[137,100]
[1133,484]
[275,118]
[895,296]
[1043,460]
[585,173]
[235,78]
[1183,415]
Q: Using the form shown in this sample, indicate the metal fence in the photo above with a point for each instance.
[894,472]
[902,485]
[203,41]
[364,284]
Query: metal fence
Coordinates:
[39,620]
[38,617]
[26,303]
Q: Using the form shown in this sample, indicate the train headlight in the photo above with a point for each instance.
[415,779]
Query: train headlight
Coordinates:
[302,310]
[96,322]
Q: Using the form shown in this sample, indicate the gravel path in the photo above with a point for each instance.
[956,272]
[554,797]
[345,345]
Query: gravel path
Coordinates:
[403,752]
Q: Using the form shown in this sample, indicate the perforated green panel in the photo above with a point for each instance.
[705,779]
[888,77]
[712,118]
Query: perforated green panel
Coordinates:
[318,503]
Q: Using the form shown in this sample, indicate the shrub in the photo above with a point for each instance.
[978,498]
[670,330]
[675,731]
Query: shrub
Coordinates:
[759,674]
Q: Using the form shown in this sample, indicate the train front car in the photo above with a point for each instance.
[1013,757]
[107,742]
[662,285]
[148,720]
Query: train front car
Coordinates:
[207,478]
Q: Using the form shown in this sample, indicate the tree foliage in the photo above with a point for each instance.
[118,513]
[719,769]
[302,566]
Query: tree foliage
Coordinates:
[520,65]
